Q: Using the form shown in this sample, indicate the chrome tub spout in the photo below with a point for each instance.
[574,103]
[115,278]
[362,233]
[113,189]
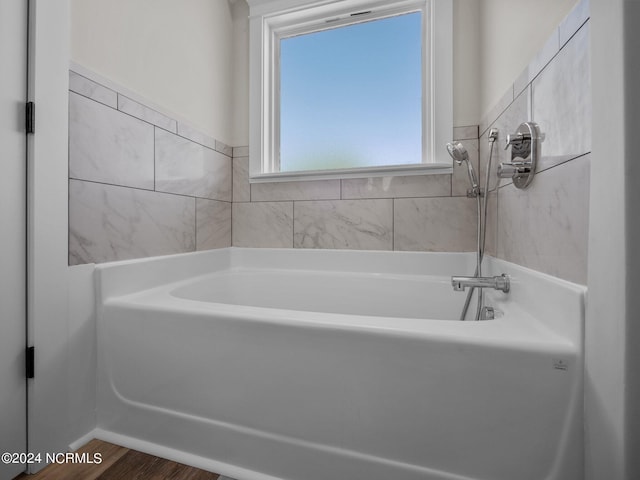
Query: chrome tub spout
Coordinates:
[498,283]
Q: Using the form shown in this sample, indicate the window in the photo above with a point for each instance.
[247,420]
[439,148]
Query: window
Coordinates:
[349,88]
[351,96]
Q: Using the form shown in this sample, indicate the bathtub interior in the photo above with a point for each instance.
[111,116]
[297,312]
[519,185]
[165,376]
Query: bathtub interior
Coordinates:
[351,293]
[268,391]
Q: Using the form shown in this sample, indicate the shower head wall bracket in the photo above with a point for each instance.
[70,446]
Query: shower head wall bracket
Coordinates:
[525,153]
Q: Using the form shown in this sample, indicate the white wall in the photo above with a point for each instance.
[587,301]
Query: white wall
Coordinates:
[612,333]
[466,62]
[240,13]
[512,32]
[176,54]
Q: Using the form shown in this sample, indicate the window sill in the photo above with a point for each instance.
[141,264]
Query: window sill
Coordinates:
[387,171]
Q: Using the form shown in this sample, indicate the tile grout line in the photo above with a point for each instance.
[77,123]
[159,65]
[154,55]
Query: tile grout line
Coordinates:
[293,224]
[195,224]
[96,182]
[393,224]
[154,159]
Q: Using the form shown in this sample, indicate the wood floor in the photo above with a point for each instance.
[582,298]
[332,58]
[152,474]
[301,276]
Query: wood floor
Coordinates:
[120,463]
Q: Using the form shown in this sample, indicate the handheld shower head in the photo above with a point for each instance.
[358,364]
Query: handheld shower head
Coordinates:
[460,154]
[457,152]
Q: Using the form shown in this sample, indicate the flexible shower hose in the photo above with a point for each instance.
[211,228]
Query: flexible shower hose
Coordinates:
[481,239]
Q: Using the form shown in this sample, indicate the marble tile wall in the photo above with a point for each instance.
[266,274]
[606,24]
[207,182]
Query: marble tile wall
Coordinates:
[141,183]
[420,212]
[545,226]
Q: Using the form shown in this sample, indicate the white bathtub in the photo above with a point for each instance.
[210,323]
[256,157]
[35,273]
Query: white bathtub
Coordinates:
[316,365]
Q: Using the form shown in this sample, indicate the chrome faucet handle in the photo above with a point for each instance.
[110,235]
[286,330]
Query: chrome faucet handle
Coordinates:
[515,139]
[512,169]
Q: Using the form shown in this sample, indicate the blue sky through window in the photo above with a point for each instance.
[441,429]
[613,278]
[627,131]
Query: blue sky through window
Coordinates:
[352,96]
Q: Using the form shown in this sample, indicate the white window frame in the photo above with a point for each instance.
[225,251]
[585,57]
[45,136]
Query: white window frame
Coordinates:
[271,20]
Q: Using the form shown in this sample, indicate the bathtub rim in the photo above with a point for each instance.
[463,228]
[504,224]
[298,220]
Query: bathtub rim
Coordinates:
[557,304]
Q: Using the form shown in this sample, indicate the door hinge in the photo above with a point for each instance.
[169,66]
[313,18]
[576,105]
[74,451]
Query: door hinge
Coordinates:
[30,118]
[30,362]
